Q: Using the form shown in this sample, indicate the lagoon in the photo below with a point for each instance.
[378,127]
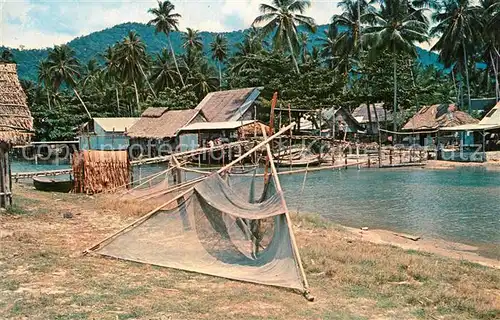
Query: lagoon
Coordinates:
[461,205]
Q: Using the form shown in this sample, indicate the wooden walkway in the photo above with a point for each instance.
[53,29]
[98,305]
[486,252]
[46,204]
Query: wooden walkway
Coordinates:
[25,175]
[180,156]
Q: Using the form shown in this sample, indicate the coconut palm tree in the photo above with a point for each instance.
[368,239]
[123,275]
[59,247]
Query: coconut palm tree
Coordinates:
[459,26]
[349,21]
[65,68]
[491,20]
[219,50]
[281,18]
[192,42]
[112,72]
[395,28]
[335,50]
[303,41]
[45,78]
[131,59]
[166,21]
[163,72]
[203,80]
[252,45]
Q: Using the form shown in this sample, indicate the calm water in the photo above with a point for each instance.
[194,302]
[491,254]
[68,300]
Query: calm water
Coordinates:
[460,205]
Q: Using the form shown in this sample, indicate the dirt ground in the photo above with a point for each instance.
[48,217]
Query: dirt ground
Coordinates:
[43,274]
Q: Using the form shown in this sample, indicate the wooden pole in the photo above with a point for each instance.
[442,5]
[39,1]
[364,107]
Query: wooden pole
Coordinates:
[277,183]
[141,219]
[357,155]
[291,133]
[484,146]
[2,176]
[9,176]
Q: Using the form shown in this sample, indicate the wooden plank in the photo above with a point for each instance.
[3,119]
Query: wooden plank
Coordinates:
[408,236]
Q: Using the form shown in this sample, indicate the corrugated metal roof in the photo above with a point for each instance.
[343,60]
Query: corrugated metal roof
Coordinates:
[115,124]
[227,125]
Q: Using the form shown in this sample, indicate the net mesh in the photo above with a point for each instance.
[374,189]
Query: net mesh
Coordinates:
[220,229]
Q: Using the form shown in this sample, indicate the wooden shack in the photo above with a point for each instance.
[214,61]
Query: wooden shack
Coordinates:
[16,125]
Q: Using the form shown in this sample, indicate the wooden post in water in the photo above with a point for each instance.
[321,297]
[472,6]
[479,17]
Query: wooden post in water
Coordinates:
[345,157]
[357,156]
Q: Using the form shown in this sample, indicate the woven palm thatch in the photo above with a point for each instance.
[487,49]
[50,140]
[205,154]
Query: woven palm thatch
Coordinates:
[16,123]
[438,116]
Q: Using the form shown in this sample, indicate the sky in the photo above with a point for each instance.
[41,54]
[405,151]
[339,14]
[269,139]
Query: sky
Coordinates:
[44,23]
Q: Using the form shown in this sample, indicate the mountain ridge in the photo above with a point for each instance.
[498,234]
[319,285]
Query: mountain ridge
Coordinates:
[94,44]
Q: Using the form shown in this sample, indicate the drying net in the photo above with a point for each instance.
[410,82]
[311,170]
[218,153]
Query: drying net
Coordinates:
[222,229]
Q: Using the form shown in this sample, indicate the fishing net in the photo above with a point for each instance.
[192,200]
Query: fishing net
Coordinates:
[227,227]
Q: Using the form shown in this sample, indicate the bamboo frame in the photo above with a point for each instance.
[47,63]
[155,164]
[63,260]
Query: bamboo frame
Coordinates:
[257,147]
[141,219]
[274,174]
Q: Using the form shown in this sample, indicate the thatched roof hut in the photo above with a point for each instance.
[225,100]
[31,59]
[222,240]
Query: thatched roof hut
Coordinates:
[16,123]
[229,105]
[377,109]
[438,116]
[161,123]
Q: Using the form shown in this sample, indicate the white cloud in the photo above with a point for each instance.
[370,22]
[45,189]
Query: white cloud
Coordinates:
[46,23]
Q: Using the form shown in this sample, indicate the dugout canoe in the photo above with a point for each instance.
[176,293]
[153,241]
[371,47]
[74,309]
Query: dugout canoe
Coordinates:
[53,185]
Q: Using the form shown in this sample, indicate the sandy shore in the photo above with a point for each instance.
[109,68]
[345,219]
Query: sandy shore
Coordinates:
[449,249]
[435,164]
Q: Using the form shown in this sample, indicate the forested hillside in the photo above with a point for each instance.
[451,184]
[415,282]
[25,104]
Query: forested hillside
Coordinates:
[367,54]
[94,44]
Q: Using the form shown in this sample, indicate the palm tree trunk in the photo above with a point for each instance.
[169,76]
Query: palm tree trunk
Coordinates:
[455,85]
[395,102]
[495,72]
[414,84]
[147,81]
[117,102]
[220,76]
[48,99]
[83,103]
[467,77]
[292,54]
[136,96]
[175,60]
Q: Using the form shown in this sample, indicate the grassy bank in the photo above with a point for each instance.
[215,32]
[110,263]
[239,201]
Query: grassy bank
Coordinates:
[43,275]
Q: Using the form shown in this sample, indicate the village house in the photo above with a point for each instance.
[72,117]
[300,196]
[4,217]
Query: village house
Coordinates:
[155,133]
[423,127]
[106,134]
[230,105]
[478,142]
[378,116]
[16,125]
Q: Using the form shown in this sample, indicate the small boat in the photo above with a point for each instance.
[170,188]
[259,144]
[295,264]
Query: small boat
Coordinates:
[311,162]
[53,185]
